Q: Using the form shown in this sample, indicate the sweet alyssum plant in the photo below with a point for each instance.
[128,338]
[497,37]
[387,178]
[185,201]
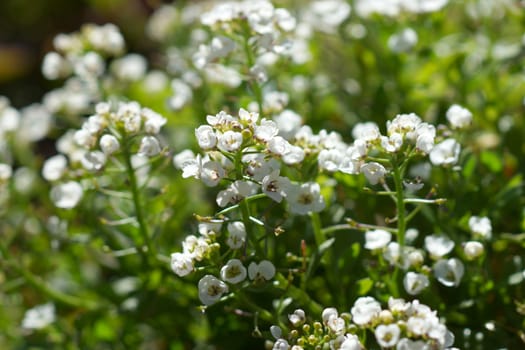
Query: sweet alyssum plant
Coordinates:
[318,239]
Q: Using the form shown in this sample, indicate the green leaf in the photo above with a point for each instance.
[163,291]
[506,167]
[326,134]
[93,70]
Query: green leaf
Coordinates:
[364,285]
[492,161]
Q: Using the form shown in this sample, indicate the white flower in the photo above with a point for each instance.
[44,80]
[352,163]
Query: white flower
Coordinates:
[6,172]
[262,271]
[131,67]
[414,283]
[181,264]
[404,124]
[182,94]
[35,123]
[233,272]
[281,344]
[438,245]
[109,144]
[473,249]
[230,141]
[275,186]
[55,66]
[407,344]
[149,146]
[374,172]
[445,153]
[297,318]
[403,41]
[392,143]
[377,239]
[330,159]
[211,289]
[365,309]
[237,235]
[480,226]
[368,131]
[387,335]
[288,122]
[183,157]
[93,161]
[449,272]
[206,137]
[266,130]
[350,342]
[54,167]
[211,173]
[305,198]
[236,192]
[153,121]
[39,316]
[459,117]
[66,195]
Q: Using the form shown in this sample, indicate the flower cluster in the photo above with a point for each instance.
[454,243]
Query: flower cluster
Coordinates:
[232,272]
[402,325]
[249,152]
[88,149]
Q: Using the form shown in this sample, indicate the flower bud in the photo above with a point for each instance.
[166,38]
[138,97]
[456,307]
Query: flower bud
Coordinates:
[473,249]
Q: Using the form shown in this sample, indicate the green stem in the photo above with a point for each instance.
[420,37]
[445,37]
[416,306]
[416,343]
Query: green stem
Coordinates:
[250,61]
[400,204]
[134,188]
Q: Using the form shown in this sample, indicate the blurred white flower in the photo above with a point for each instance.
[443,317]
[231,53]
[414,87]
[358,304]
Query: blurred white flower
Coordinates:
[263,271]
[459,117]
[365,310]
[438,245]
[374,172]
[387,336]
[54,167]
[181,264]
[480,226]
[109,144]
[39,316]
[445,153]
[449,272]
[149,146]
[6,171]
[415,283]
[473,249]
[211,289]
[403,41]
[305,198]
[236,235]
[377,239]
[66,195]
[233,272]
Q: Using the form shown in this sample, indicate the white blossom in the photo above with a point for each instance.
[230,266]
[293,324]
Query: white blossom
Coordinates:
[66,195]
[387,336]
[236,235]
[374,172]
[109,144]
[473,249]
[275,186]
[305,198]
[54,167]
[182,264]
[415,283]
[480,226]
[365,310]
[39,316]
[445,153]
[263,271]
[377,239]
[233,272]
[149,146]
[449,272]
[211,289]
[459,117]
[438,245]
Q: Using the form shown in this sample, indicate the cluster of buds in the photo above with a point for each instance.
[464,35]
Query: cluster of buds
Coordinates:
[402,325]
